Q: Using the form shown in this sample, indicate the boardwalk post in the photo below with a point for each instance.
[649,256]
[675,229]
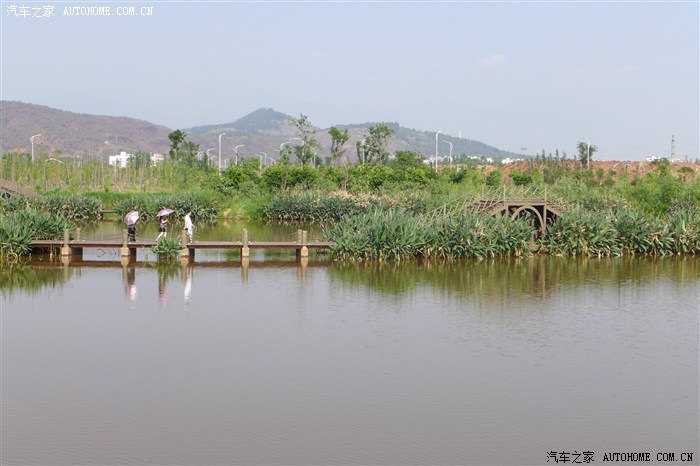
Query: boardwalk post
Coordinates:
[245,263]
[245,251]
[125,250]
[304,251]
[300,240]
[65,250]
[185,251]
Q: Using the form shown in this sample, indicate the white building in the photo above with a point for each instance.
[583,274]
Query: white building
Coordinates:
[122,160]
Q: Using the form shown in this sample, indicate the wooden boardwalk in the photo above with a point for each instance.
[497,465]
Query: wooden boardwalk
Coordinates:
[10,188]
[126,248]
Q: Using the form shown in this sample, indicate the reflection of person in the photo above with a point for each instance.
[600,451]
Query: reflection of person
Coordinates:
[187,274]
[189,226]
[130,288]
[162,227]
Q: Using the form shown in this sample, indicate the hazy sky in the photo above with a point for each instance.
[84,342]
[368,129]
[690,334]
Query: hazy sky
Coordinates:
[514,75]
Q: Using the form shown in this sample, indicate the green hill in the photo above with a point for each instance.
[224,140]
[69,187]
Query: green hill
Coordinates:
[82,135]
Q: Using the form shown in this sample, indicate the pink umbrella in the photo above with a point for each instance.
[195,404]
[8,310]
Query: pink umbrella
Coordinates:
[131,217]
[163,212]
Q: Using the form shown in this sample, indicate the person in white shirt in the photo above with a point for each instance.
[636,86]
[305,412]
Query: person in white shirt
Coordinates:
[189,226]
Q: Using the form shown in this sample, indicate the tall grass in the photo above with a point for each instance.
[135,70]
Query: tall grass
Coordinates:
[73,207]
[18,229]
[202,204]
[315,207]
[623,232]
[397,235]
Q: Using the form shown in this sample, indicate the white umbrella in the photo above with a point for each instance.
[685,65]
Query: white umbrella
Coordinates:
[131,217]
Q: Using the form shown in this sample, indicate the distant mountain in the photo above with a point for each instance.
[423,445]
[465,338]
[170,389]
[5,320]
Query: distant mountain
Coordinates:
[261,120]
[71,134]
[264,130]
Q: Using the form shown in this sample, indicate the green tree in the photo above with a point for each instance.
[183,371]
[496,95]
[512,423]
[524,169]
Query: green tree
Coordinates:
[585,153]
[140,160]
[177,137]
[407,159]
[338,140]
[305,152]
[184,151]
[494,178]
[376,142]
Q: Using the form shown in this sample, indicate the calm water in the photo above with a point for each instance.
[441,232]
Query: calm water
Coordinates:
[282,363]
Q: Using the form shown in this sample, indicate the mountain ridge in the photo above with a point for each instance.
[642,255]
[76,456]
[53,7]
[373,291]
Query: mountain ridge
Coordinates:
[65,133]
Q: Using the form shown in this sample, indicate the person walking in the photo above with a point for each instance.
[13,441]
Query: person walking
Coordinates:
[162,227]
[189,226]
[130,219]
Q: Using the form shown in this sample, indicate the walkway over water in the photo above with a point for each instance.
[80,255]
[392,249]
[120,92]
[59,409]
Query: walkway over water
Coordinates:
[9,188]
[75,247]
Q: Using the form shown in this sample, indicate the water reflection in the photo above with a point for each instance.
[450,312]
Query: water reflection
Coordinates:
[493,362]
[533,277]
[129,279]
[33,278]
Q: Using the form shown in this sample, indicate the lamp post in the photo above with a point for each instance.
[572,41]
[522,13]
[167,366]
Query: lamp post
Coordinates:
[208,156]
[448,142]
[363,150]
[436,150]
[263,153]
[31,139]
[220,152]
[588,157]
[236,151]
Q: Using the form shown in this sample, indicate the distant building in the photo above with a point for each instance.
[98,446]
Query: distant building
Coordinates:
[122,160]
[509,160]
[654,158]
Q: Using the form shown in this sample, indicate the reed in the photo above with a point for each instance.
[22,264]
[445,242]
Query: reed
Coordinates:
[314,207]
[582,233]
[398,235]
[73,207]
[18,229]
[167,248]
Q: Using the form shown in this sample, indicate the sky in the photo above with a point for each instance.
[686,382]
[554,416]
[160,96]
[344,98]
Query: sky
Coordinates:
[520,76]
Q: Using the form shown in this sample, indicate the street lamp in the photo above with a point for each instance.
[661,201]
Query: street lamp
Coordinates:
[220,151]
[236,151]
[31,139]
[588,158]
[263,153]
[208,156]
[363,150]
[436,150]
[448,142]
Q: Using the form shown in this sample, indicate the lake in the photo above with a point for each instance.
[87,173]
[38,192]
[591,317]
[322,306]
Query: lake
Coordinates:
[276,361]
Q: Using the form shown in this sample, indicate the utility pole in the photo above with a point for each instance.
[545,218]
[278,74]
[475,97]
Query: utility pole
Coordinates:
[673,147]
[436,150]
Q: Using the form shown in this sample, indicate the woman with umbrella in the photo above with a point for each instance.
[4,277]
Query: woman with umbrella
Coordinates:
[163,223]
[130,220]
